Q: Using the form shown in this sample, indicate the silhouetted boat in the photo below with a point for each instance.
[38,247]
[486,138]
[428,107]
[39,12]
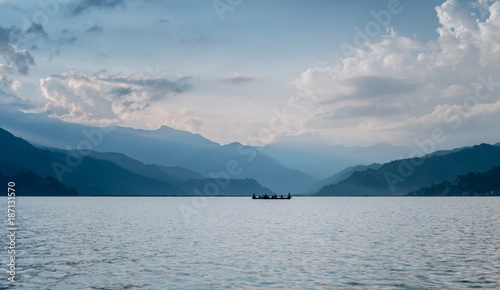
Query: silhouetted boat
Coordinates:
[265,196]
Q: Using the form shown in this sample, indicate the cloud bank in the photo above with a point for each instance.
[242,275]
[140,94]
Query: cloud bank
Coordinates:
[400,88]
[75,97]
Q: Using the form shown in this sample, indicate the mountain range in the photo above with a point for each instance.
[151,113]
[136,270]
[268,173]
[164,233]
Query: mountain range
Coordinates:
[402,176]
[165,147]
[322,161]
[172,149]
[95,160]
[97,173]
[251,164]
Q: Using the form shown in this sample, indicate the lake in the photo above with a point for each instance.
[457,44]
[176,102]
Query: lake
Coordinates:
[226,242]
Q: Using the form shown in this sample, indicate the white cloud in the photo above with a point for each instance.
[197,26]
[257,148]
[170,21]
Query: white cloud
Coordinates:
[75,97]
[395,89]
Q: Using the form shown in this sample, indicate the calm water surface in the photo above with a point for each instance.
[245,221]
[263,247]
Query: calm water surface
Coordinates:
[303,243]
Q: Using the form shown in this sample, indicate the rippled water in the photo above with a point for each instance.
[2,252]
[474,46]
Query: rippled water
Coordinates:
[303,243]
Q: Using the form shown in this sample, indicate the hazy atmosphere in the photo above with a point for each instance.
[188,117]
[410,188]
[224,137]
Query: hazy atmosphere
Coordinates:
[354,73]
[250,144]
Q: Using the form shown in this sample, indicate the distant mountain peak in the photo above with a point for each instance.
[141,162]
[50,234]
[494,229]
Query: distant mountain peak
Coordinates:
[166,128]
[165,146]
[234,145]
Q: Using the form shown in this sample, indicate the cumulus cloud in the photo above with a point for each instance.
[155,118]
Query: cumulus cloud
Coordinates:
[75,97]
[398,88]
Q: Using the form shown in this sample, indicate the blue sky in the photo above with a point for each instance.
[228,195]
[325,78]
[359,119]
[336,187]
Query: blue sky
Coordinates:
[224,68]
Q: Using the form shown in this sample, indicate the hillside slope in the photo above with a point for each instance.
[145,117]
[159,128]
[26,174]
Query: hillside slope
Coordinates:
[89,176]
[344,174]
[474,183]
[250,163]
[402,176]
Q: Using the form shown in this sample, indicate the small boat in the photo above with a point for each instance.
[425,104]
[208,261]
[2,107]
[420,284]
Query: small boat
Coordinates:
[265,196]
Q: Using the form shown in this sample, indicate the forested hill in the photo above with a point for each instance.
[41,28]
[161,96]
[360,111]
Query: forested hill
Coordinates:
[474,183]
[408,175]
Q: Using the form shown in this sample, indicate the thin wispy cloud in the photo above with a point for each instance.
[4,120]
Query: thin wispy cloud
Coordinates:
[94,29]
[77,8]
[37,29]
[238,79]
[11,100]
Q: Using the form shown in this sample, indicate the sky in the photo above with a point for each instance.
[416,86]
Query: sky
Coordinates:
[332,72]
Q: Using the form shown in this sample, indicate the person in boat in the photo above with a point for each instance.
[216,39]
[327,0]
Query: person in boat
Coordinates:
[289,195]
[281,196]
[253,196]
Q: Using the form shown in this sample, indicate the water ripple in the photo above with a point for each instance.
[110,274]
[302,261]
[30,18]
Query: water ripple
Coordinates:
[303,243]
